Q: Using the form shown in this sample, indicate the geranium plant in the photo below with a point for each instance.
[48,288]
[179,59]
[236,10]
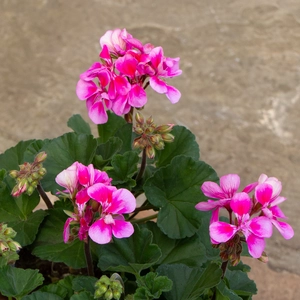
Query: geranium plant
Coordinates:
[132,213]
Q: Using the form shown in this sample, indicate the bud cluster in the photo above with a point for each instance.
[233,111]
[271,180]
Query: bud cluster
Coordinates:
[8,247]
[29,175]
[151,137]
[108,288]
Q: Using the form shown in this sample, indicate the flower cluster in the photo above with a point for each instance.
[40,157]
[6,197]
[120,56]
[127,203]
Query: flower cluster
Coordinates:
[253,216]
[109,288]
[98,206]
[125,69]
[29,175]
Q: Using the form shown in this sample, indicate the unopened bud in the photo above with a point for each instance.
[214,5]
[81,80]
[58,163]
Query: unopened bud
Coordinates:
[149,121]
[9,232]
[95,206]
[30,190]
[167,137]
[160,145]
[35,175]
[164,128]
[104,279]
[42,171]
[138,130]
[117,295]
[3,247]
[150,152]
[155,139]
[264,257]
[40,157]
[139,118]
[108,295]
[14,173]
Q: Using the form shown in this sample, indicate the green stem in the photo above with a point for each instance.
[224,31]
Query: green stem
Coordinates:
[144,206]
[145,219]
[88,258]
[143,166]
[223,268]
[44,196]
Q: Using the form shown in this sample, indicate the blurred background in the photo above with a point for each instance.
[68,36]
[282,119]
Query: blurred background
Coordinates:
[240,87]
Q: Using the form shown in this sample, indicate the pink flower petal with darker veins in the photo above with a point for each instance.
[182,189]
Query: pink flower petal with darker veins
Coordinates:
[256,245]
[173,94]
[206,206]
[137,96]
[263,193]
[285,229]
[158,85]
[86,89]
[96,111]
[230,184]
[122,229]
[100,232]
[277,212]
[222,232]
[212,190]
[126,202]
[120,105]
[240,203]
[261,226]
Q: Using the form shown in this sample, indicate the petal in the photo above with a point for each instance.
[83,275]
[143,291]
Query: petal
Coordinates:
[82,197]
[250,187]
[83,174]
[278,200]
[263,193]
[230,184]
[122,229]
[127,65]
[122,85]
[158,85]
[156,56]
[100,192]
[256,245]
[285,229]
[277,212]
[120,105]
[261,226]
[97,112]
[173,94]
[137,96]
[85,89]
[100,232]
[66,232]
[222,232]
[240,203]
[123,202]
[206,206]
[68,178]
[212,190]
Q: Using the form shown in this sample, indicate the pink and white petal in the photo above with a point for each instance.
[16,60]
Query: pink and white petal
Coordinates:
[82,197]
[97,112]
[137,96]
[240,203]
[262,178]
[120,105]
[212,190]
[230,184]
[83,174]
[158,85]
[276,186]
[100,192]
[100,232]
[122,229]
[85,89]
[126,202]
[256,245]
[263,193]
[66,232]
[261,226]
[173,94]
[285,229]
[92,72]
[206,206]
[122,85]
[126,65]
[214,216]
[277,200]
[250,187]
[222,232]
[277,212]
[105,53]
[68,178]
[156,56]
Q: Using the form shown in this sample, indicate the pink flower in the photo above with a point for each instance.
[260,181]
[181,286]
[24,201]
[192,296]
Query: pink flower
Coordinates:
[229,185]
[254,230]
[113,203]
[269,200]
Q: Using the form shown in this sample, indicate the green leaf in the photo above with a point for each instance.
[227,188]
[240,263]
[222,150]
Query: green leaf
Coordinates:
[63,152]
[240,283]
[126,135]
[106,151]
[56,289]
[131,254]
[189,283]
[82,296]
[151,286]
[79,125]
[183,144]
[34,148]
[188,251]
[84,283]
[38,295]
[49,243]
[176,190]
[124,167]
[109,129]
[18,282]
[224,293]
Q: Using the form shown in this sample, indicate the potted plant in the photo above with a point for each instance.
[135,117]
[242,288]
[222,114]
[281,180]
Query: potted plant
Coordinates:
[132,213]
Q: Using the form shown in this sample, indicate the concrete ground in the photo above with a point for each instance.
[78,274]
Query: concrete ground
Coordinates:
[240,87]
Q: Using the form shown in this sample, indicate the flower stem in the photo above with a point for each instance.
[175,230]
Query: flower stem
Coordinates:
[223,268]
[44,196]
[143,166]
[141,208]
[88,258]
[145,219]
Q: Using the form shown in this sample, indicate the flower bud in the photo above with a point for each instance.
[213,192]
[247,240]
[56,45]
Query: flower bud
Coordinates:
[42,171]
[9,232]
[117,295]
[108,295]
[149,121]
[164,128]
[30,190]
[14,173]
[104,279]
[139,118]
[155,139]
[160,145]
[138,130]
[150,152]
[40,157]
[167,137]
